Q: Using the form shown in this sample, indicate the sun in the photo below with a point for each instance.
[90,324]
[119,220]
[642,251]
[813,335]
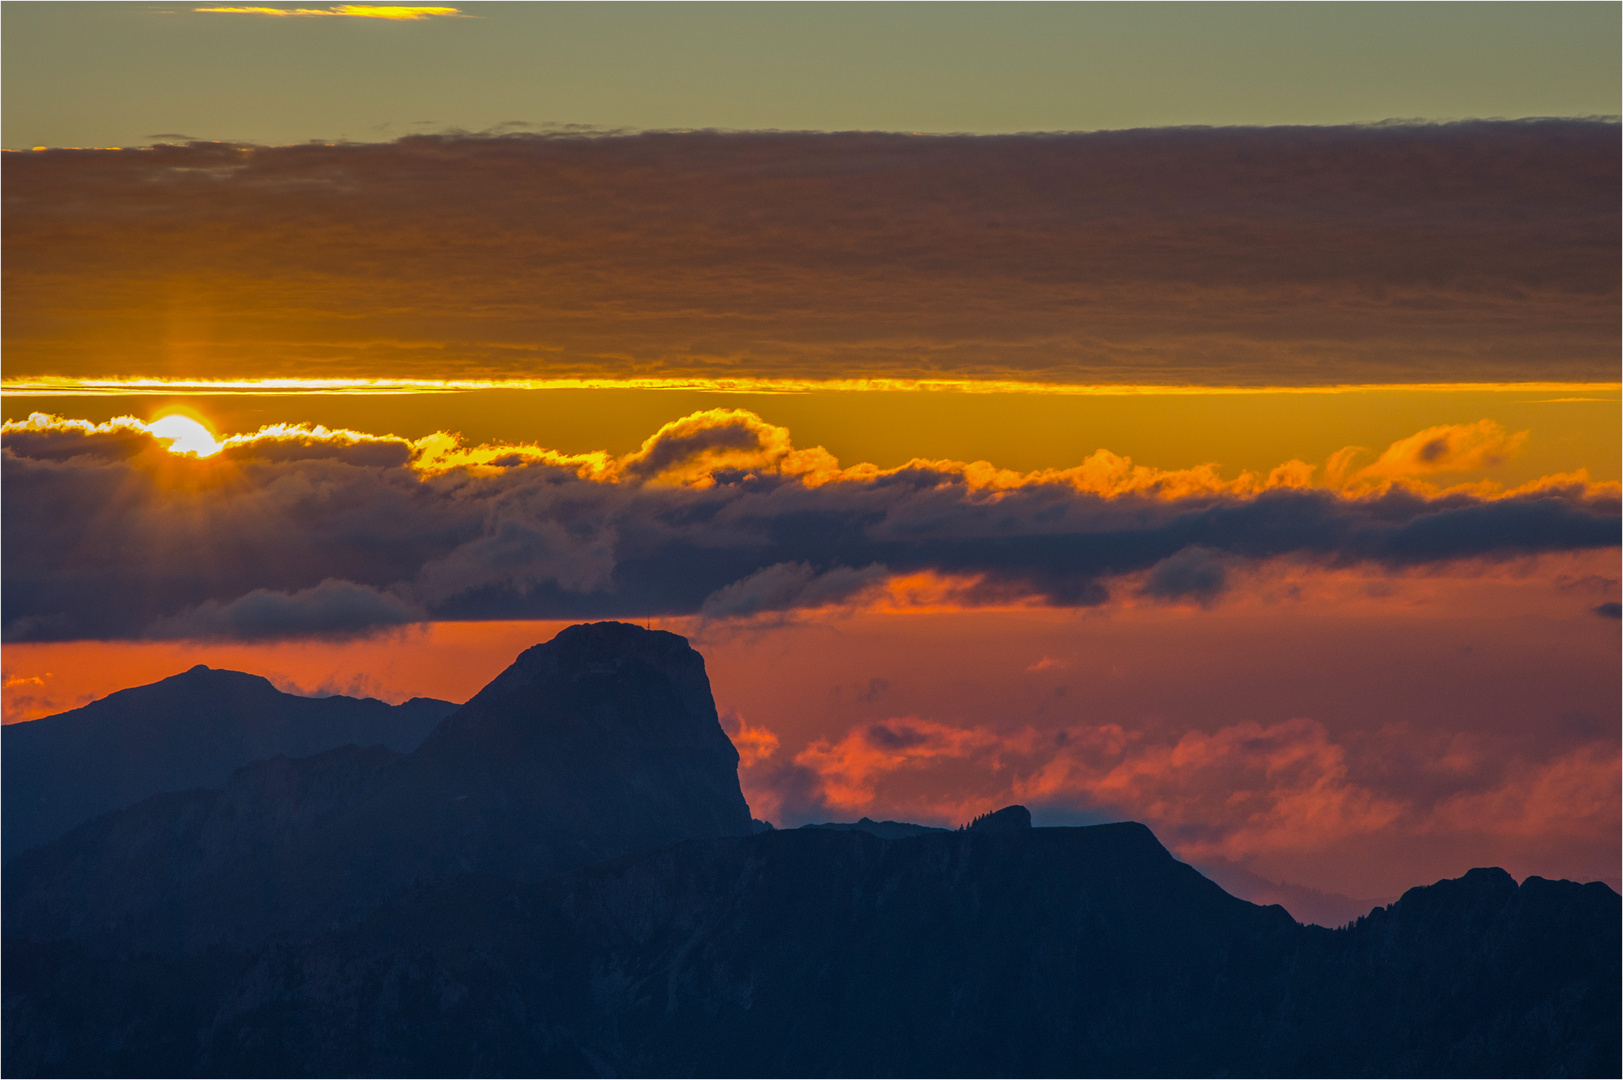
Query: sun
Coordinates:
[185,435]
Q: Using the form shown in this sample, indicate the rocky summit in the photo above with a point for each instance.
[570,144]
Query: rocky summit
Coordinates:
[599,743]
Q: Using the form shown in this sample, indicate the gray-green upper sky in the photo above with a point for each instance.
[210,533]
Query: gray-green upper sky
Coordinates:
[120,74]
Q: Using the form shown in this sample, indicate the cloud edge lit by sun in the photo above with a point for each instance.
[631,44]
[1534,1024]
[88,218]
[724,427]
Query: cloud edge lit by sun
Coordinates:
[395,13]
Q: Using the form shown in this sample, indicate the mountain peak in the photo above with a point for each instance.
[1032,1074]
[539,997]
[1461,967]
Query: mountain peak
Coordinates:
[1009,819]
[600,742]
[189,730]
[602,649]
[202,678]
[597,684]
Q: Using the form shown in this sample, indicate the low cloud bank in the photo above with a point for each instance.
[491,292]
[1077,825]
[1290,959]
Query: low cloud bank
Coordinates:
[306,532]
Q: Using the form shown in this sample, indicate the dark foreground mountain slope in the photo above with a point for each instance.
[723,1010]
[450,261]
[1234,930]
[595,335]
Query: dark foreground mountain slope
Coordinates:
[601,742]
[187,731]
[1084,951]
[189,868]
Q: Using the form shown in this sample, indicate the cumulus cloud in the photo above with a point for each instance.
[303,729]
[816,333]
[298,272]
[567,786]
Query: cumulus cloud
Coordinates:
[1480,251]
[693,447]
[306,530]
[1442,449]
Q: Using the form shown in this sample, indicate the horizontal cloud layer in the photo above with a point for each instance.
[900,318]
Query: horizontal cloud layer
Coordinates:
[295,531]
[1482,251]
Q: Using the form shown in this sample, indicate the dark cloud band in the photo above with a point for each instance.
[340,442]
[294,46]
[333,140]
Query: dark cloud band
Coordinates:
[1481,251]
[111,536]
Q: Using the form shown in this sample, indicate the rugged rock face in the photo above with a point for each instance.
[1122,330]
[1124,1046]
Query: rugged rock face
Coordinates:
[601,742]
[187,731]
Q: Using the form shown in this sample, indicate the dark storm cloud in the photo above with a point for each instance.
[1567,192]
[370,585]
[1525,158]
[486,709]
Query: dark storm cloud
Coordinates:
[1478,251]
[334,537]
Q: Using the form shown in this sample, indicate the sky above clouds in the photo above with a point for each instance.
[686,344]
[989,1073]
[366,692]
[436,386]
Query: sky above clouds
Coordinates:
[126,74]
[1257,480]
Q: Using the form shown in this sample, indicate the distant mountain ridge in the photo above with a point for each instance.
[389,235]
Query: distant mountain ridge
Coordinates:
[564,878]
[190,730]
[885,830]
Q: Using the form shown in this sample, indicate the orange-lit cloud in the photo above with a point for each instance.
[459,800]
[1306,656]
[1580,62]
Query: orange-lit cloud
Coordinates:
[1231,793]
[1277,791]
[1442,449]
[1575,795]
[353,11]
[754,744]
[847,770]
[1172,257]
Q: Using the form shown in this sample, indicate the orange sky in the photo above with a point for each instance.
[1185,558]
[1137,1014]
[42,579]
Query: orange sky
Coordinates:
[1568,427]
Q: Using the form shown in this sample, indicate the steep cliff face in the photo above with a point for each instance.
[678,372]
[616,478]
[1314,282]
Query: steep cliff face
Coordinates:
[190,730]
[601,742]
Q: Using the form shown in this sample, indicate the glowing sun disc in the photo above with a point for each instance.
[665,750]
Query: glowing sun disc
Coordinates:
[185,435]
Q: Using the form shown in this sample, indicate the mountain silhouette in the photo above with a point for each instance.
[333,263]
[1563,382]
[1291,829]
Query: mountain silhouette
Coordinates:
[189,730]
[1050,951]
[885,830]
[601,742]
[563,878]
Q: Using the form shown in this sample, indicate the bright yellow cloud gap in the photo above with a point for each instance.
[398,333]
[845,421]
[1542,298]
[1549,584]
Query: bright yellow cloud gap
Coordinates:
[53,385]
[354,11]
